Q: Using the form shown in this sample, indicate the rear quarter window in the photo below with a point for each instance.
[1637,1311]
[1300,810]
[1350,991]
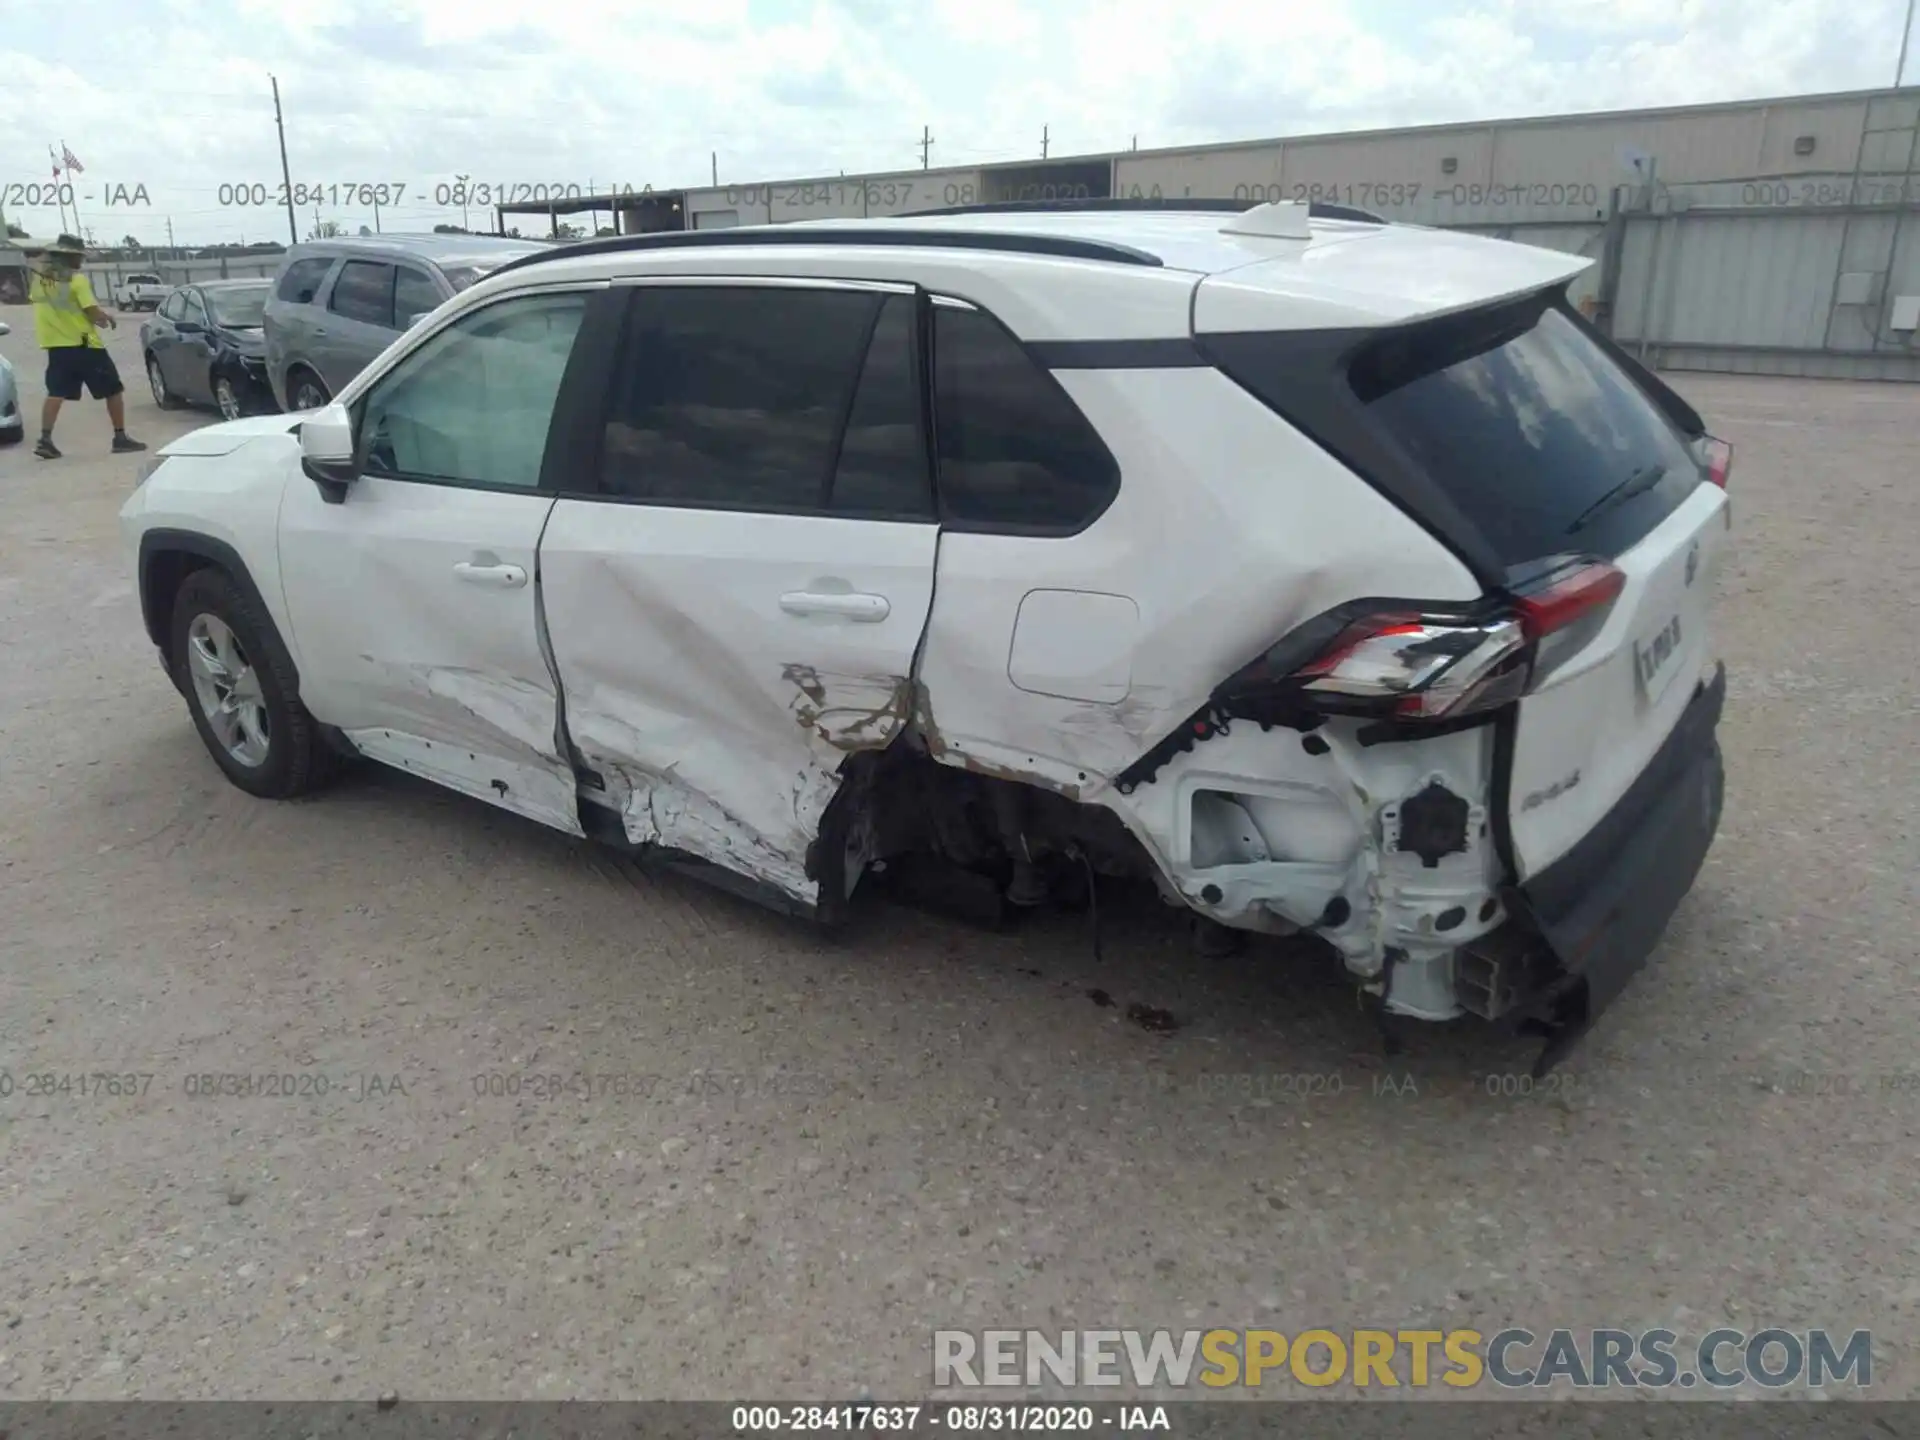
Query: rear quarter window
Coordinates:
[1014,451]
[301,280]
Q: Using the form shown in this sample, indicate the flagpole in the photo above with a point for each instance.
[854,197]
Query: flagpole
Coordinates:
[66,155]
[58,202]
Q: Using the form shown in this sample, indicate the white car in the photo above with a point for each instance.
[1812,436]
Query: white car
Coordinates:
[13,425]
[1332,576]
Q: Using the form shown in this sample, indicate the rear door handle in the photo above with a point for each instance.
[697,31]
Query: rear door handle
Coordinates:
[498,577]
[868,608]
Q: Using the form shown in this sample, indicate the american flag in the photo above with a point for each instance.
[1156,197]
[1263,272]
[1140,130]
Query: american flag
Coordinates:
[74,167]
[56,162]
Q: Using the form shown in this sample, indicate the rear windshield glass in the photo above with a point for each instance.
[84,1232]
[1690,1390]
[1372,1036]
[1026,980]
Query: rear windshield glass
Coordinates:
[1526,423]
[240,309]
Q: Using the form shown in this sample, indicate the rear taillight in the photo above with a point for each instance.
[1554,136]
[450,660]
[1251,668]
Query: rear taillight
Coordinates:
[1421,668]
[1716,458]
[1410,663]
[1566,608]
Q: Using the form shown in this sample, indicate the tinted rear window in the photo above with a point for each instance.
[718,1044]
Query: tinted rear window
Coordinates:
[1526,423]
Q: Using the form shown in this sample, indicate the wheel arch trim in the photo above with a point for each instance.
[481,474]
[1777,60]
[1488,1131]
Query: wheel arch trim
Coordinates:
[155,608]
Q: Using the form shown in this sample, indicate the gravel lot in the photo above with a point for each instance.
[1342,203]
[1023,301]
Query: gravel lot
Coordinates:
[960,1135]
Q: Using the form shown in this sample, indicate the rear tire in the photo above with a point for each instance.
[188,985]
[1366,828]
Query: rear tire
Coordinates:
[305,392]
[239,685]
[227,398]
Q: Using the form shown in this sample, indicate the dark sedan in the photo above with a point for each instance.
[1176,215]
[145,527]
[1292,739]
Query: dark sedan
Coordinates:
[205,346]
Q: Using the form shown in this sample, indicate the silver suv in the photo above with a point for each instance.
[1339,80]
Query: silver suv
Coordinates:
[338,303]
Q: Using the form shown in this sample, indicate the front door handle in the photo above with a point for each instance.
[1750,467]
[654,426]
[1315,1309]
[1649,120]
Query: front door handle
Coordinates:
[868,608]
[498,577]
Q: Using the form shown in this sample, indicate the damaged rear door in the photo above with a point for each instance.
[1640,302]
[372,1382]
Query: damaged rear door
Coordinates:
[735,607]
[414,599]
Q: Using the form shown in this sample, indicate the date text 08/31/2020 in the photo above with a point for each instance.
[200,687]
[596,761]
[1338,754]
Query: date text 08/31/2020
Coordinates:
[897,195]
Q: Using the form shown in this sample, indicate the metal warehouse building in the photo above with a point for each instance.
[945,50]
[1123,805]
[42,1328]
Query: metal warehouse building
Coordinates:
[1767,236]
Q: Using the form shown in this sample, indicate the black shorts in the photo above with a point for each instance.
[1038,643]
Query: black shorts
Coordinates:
[71,366]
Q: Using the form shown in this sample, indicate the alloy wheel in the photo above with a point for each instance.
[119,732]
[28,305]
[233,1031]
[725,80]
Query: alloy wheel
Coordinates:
[227,688]
[226,398]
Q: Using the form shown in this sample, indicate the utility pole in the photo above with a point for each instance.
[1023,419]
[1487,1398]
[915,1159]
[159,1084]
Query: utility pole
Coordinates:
[1906,34]
[714,156]
[170,251]
[926,145]
[376,214]
[1044,140]
[286,175]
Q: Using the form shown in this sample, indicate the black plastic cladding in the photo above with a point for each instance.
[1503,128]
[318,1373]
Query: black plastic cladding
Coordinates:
[1064,246]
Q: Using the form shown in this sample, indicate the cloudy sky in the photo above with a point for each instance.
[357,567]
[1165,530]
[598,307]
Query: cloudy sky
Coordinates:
[173,94]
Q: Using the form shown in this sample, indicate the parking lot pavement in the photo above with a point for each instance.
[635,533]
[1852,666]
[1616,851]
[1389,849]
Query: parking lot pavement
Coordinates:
[796,1156]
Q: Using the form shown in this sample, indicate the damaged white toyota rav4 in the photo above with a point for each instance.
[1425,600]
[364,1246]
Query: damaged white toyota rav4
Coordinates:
[1333,576]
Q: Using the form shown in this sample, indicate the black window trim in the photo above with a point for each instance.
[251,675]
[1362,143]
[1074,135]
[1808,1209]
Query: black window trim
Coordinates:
[949,523]
[587,412]
[583,364]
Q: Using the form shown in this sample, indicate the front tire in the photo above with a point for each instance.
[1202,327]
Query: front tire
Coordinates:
[162,396]
[13,436]
[240,690]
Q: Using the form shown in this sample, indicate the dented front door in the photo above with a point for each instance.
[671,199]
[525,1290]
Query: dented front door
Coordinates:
[414,601]
[738,609]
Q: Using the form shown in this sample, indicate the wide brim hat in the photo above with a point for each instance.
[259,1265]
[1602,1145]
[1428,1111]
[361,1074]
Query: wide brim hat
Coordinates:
[62,244]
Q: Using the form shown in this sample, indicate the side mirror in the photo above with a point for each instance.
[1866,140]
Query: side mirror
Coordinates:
[188,327]
[326,452]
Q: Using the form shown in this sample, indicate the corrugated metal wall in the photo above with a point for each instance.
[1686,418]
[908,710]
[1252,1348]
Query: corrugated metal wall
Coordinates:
[1768,237]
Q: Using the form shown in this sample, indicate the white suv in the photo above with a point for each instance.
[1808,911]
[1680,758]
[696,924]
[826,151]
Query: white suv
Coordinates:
[1335,576]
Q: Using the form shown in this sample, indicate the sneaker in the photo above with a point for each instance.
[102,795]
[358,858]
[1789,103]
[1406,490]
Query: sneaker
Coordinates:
[125,445]
[46,449]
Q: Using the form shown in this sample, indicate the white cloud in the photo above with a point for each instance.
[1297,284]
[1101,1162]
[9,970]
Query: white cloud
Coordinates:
[174,93]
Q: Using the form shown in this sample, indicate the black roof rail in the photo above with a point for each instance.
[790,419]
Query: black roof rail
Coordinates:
[854,233]
[1317,209]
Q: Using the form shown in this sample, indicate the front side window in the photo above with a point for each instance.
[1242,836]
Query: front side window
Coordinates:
[174,306]
[734,397]
[472,405]
[1015,453]
[364,292]
[192,309]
